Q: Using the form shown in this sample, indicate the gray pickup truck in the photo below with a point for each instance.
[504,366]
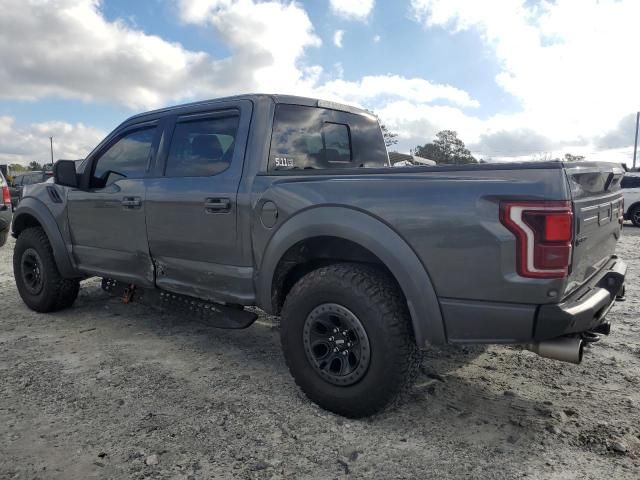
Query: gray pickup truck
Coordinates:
[290,204]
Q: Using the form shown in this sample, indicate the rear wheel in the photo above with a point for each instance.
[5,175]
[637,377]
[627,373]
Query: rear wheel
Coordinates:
[39,282]
[347,339]
[634,215]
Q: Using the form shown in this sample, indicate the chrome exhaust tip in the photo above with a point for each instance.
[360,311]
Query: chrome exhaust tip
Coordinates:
[565,349]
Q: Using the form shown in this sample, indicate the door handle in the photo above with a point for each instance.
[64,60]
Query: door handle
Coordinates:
[131,202]
[217,205]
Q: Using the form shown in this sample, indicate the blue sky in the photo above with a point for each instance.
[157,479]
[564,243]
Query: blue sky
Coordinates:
[504,73]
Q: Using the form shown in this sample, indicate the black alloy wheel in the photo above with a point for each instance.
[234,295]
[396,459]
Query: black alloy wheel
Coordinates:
[32,271]
[336,344]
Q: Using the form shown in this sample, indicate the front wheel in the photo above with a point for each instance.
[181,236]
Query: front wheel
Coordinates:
[39,282]
[347,339]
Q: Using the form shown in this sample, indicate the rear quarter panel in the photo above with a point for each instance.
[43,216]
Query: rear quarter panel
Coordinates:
[449,218]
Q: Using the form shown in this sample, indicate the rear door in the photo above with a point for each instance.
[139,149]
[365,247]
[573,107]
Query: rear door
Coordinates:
[597,203]
[107,216]
[192,205]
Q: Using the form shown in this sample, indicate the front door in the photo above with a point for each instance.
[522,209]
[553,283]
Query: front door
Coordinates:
[192,207]
[107,218]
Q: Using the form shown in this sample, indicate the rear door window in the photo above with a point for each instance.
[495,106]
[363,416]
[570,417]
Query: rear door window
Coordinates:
[312,138]
[202,147]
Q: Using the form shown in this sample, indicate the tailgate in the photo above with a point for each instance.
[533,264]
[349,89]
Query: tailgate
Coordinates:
[597,206]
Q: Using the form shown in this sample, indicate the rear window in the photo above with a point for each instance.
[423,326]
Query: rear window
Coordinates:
[310,138]
[630,182]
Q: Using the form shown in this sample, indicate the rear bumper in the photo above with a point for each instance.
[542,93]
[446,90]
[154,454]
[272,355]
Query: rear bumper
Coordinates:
[584,309]
[473,321]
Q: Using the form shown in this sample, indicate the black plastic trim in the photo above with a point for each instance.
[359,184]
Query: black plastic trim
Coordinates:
[584,309]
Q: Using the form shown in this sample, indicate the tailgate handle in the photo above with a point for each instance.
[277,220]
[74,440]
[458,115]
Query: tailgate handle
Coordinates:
[217,205]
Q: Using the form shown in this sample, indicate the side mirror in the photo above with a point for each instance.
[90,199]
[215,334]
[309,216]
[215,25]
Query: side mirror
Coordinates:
[64,173]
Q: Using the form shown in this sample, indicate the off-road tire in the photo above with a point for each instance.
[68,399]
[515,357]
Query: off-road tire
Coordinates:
[378,304]
[56,292]
[634,215]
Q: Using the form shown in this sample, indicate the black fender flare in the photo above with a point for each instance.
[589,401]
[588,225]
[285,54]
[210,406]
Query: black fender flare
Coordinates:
[38,210]
[377,237]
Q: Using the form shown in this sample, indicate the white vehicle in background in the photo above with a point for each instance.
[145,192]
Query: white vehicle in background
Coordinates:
[631,192]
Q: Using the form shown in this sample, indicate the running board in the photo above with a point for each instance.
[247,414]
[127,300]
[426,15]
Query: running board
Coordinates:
[214,314]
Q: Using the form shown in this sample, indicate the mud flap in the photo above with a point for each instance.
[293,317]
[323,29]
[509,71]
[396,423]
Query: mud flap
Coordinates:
[214,314]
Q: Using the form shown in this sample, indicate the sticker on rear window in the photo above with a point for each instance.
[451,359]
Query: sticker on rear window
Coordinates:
[282,161]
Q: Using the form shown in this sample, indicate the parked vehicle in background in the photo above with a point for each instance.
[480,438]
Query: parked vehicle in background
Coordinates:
[291,204]
[26,178]
[631,193]
[5,210]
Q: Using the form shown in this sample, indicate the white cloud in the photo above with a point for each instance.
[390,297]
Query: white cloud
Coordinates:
[380,89]
[376,39]
[66,48]
[31,143]
[352,9]
[267,41]
[565,60]
[337,38]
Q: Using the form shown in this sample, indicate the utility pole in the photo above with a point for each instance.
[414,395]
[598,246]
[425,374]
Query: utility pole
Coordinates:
[635,144]
[51,141]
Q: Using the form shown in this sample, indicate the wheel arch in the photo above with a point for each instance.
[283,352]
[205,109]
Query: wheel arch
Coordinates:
[374,241]
[33,213]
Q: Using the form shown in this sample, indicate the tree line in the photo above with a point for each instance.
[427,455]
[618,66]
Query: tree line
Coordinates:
[18,168]
[448,149]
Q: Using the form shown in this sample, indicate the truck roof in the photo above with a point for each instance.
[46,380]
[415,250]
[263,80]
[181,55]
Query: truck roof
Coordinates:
[276,98]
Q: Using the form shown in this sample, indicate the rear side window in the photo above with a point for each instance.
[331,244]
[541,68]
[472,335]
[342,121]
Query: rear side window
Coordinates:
[310,138]
[630,182]
[204,147]
[18,180]
[127,158]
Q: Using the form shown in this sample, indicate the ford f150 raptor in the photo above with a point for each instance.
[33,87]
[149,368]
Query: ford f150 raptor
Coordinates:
[290,204]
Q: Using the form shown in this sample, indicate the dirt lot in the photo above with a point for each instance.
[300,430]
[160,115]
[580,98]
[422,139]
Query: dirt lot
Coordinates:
[120,391]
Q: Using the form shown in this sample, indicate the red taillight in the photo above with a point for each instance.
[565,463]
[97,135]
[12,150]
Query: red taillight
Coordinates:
[544,232]
[557,227]
[6,196]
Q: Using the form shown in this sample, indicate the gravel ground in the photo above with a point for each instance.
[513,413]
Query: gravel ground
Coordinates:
[121,391]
